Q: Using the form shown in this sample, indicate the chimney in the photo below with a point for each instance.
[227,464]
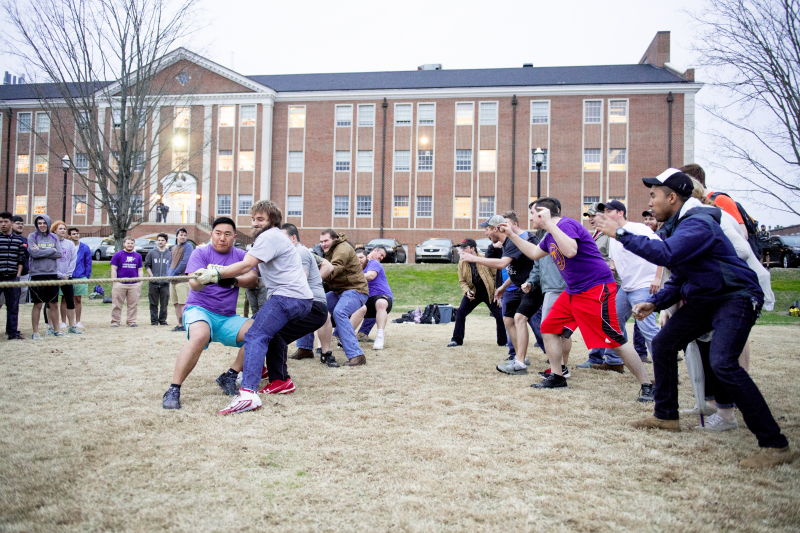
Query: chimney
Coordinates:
[430,66]
[15,81]
[527,65]
[657,53]
[6,78]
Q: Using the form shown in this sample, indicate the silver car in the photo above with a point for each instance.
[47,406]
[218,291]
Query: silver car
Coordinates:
[101,247]
[436,250]
[483,245]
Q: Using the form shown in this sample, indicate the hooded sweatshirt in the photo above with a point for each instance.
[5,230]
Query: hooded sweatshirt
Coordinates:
[68,259]
[347,273]
[44,260]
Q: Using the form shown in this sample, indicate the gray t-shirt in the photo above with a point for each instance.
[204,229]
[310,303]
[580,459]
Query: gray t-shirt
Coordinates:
[314,279]
[280,267]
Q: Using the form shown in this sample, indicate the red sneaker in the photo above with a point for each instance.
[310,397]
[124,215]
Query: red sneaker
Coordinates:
[264,373]
[278,387]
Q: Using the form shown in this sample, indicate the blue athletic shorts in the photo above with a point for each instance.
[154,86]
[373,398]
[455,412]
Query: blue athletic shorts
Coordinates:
[224,329]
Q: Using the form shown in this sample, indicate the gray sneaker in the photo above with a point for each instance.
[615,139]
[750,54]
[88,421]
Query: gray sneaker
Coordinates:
[172,399]
[508,368]
[717,423]
[75,331]
[587,364]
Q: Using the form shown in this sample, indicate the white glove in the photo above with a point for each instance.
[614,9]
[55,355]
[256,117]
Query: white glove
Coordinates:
[204,276]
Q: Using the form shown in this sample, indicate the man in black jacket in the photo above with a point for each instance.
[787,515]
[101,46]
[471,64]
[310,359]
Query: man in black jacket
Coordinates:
[12,259]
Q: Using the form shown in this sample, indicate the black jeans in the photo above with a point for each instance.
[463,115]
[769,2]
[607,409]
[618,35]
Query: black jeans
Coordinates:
[293,330]
[12,306]
[467,306]
[731,321]
[158,293]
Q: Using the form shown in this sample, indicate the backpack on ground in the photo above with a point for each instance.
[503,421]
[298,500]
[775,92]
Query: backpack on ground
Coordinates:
[431,315]
[749,223]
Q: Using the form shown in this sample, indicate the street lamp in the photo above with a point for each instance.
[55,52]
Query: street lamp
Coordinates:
[65,164]
[538,158]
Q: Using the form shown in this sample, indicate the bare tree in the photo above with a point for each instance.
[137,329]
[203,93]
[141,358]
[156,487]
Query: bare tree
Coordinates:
[74,47]
[752,51]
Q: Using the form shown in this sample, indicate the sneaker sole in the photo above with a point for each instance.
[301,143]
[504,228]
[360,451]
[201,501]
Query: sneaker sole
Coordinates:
[282,391]
[234,411]
[170,408]
[540,386]
[513,373]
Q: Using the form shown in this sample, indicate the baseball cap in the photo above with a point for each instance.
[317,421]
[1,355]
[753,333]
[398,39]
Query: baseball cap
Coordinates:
[493,220]
[647,213]
[593,209]
[616,205]
[673,178]
[468,242]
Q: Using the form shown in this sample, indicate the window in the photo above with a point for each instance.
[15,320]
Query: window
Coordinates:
[401,206]
[485,206]
[21,205]
[533,161]
[363,206]
[342,161]
[224,204]
[365,162]
[463,159]
[42,122]
[402,114]
[247,115]
[39,205]
[23,122]
[81,162]
[141,119]
[180,160]
[41,162]
[227,115]
[425,160]
[23,164]
[341,206]
[296,162]
[116,117]
[488,113]
[617,159]
[344,115]
[617,198]
[618,111]
[426,114]
[294,206]
[83,120]
[540,112]
[297,117]
[137,201]
[424,206]
[139,158]
[589,200]
[113,161]
[464,114]
[182,117]
[225,160]
[245,203]
[592,111]
[402,160]
[366,115]
[463,207]
[591,159]
[79,204]
[488,161]
[247,160]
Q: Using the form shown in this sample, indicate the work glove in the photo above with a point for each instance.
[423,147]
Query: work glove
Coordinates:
[204,276]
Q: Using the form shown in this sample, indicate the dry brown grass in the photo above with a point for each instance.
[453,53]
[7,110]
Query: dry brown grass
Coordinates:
[423,438]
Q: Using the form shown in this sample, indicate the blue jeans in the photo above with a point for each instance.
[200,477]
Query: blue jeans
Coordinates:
[277,313]
[731,321]
[341,307]
[625,303]
[306,342]
[12,295]
[639,344]
[367,325]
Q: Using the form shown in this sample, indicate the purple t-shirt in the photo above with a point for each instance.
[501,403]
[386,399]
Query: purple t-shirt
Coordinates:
[219,300]
[128,264]
[379,285]
[588,268]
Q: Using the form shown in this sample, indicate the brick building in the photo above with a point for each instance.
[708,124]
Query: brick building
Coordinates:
[412,154]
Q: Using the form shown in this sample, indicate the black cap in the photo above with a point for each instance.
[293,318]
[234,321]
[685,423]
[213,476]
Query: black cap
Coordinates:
[615,205]
[181,230]
[468,242]
[647,213]
[673,178]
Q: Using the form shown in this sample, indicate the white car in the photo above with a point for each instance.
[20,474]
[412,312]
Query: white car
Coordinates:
[436,250]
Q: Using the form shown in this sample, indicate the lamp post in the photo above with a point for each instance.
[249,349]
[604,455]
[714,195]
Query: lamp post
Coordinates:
[65,164]
[538,158]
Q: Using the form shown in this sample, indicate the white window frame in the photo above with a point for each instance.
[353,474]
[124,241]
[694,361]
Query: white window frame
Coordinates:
[221,205]
[342,161]
[116,117]
[294,206]
[592,111]
[242,160]
[81,163]
[361,202]
[486,206]
[39,205]
[488,114]
[23,159]
[617,159]
[463,211]
[614,115]
[24,204]
[297,116]
[227,116]
[465,114]
[426,114]
[592,159]
[462,162]
[341,206]
[182,118]
[544,161]
[402,160]
[245,118]
[344,116]
[113,161]
[366,115]
[24,122]
[487,161]
[41,159]
[42,122]
[243,208]
[365,161]
[295,162]
[425,160]
[587,201]
[400,207]
[222,155]
[403,113]
[424,206]
[536,116]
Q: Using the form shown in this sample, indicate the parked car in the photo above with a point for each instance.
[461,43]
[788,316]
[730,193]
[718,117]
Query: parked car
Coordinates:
[436,250]
[172,241]
[395,253]
[785,249]
[139,244]
[101,247]
[483,245]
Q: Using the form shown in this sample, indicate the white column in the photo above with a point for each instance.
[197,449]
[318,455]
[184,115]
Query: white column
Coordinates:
[206,186]
[98,204]
[688,128]
[266,151]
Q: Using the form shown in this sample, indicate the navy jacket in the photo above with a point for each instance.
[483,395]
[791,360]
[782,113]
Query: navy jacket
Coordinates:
[705,268]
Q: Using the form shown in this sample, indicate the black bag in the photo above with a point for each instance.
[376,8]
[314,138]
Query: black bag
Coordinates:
[408,317]
[749,223]
[107,300]
[431,315]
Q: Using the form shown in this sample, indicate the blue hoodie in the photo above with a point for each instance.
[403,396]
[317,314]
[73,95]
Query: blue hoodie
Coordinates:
[705,268]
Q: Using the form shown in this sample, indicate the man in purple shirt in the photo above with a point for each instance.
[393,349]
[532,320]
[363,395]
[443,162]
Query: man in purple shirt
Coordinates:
[210,313]
[379,303]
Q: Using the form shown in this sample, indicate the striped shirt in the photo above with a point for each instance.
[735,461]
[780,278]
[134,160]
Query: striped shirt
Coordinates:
[12,254]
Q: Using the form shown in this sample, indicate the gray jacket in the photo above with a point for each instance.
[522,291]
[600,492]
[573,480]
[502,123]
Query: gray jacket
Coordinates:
[44,249]
[546,273]
[158,263]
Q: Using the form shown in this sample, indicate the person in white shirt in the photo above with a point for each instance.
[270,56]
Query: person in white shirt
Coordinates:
[639,278]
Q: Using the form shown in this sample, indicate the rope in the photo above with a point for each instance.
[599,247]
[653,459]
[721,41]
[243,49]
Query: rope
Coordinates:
[50,282]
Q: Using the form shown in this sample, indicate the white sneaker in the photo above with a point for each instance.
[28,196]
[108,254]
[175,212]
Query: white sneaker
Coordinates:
[244,401]
[36,337]
[379,342]
[708,410]
[79,326]
[50,330]
[717,423]
[63,326]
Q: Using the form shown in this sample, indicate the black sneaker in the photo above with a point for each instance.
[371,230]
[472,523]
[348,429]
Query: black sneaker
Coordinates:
[318,351]
[564,372]
[453,344]
[179,327]
[328,359]
[552,381]
[227,383]
[646,393]
[172,399]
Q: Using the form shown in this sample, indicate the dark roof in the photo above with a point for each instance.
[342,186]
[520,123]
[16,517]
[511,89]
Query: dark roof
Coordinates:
[496,77]
[32,91]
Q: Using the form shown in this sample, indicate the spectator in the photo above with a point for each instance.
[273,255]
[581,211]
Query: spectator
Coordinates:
[157,264]
[649,220]
[12,261]
[179,290]
[44,249]
[66,267]
[18,226]
[83,270]
[126,264]
[763,239]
